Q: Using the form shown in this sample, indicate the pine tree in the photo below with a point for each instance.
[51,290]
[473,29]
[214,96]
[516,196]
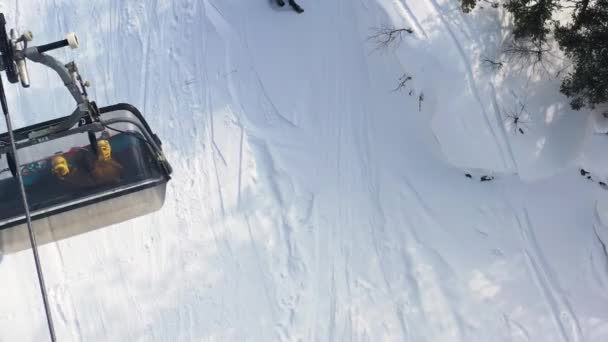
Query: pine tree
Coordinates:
[531,19]
[585,42]
[468,5]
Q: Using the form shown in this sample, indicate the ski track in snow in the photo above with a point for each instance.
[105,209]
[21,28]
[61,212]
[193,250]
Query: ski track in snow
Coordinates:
[470,78]
[502,129]
[559,306]
[430,273]
[294,213]
[598,260]
[516,328]
[407,12]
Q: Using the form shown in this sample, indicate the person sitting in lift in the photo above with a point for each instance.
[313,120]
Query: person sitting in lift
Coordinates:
[105,169]
[72,175]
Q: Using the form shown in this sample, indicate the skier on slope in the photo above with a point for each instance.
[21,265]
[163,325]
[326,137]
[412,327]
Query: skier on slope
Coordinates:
[293,5]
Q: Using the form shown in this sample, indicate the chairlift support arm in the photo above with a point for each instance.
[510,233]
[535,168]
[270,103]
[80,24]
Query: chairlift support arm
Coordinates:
[16,68]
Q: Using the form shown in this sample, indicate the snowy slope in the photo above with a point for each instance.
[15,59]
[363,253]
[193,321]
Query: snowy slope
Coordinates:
[310,201]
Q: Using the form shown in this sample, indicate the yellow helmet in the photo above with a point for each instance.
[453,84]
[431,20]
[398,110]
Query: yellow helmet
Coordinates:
[60,166]
[105,149]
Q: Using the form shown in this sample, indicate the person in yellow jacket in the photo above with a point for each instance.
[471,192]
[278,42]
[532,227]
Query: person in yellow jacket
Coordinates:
[75,176]
[84,171]
[105,169]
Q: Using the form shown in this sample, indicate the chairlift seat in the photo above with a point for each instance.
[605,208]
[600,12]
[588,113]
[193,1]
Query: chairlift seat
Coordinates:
[60,210]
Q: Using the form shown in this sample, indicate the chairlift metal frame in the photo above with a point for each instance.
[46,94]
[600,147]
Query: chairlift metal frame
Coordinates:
[87,117]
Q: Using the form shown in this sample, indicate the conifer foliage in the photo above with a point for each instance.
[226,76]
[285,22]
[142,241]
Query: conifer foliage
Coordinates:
[585,42]
[583,38]
[468,5]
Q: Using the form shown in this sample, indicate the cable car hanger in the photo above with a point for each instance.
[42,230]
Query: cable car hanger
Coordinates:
[15,52]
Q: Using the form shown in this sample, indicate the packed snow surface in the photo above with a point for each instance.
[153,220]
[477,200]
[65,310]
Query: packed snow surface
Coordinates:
[310,200]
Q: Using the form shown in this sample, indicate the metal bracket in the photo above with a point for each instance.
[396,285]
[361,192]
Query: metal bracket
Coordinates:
[66,76]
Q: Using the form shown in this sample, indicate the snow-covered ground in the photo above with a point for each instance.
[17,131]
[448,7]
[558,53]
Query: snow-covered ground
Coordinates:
[312,202]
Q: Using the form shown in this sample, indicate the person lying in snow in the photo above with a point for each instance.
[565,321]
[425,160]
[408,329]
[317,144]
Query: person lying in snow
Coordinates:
[293,5]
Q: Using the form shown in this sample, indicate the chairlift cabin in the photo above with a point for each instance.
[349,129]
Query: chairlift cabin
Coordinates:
[90,169]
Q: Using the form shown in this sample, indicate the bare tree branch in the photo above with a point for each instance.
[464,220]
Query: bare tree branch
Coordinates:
[402,82]
[527,53]
[492,64]
[517,117]
[386,37]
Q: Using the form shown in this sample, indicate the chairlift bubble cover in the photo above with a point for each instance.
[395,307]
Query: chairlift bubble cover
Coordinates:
[64,207]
